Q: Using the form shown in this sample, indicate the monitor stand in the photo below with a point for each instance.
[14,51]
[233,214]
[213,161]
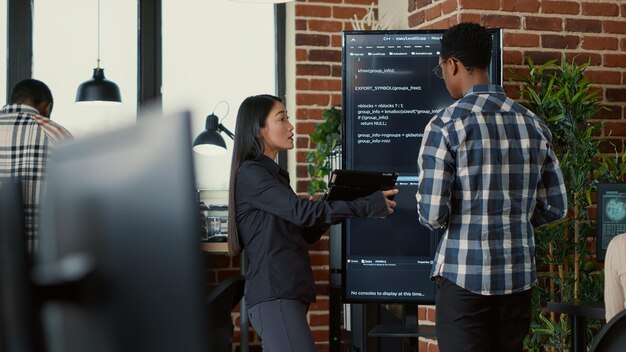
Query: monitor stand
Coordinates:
[409,328]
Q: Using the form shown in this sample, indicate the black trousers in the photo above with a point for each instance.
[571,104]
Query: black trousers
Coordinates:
[470,322]
[282,326]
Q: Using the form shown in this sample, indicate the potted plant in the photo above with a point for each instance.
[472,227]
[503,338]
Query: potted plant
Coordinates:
[327,139]
[567,271]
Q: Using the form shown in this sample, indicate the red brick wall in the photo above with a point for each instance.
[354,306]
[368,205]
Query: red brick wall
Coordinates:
[319,24]
[593,30]
[588,30]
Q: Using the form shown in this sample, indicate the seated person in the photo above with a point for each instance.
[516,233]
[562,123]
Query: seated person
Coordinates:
[615,276]
[26,136]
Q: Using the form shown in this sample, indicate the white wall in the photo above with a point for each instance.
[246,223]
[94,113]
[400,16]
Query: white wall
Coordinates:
[216,51]
[392,14]
[65,50]
[290,63]
[3,51]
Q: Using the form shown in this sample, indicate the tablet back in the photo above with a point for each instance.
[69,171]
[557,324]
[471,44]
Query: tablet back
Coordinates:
[352,184]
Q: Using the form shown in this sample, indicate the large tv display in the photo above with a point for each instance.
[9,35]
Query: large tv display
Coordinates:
[389,95]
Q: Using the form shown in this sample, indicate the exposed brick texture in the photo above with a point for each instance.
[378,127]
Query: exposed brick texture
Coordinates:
[522,39]
[531,6]
[480,4]
[325,55]
[501,21]
[325,26]
[560,41]
[585,25]
[537,23]
[600,9]
[417,4]
[600,43]
[560,7]
[614,27]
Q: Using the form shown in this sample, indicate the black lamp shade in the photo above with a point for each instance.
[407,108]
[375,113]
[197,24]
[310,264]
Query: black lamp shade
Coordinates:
[98,89]
[210,141]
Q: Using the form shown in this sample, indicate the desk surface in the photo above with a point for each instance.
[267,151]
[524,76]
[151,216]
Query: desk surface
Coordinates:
[583,309]
[222,248]
[215,247]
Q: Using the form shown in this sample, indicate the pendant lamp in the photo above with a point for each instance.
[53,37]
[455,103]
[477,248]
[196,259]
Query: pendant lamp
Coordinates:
[98,88]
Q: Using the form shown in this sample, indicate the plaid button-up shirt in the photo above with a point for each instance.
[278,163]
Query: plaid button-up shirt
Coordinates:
[488,175]
[25,139]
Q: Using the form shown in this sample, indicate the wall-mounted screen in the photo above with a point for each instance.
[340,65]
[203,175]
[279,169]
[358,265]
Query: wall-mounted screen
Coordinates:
[611,215]
[389,95]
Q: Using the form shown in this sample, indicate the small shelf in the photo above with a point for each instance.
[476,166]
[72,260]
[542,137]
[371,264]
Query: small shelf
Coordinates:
[215,247]
[402,331]
[585,309]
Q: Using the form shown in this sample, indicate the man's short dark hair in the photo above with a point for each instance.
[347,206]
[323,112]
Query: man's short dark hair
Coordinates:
[31,89]
[468,42]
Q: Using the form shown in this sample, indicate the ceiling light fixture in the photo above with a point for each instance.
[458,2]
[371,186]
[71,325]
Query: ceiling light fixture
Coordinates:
[98,88]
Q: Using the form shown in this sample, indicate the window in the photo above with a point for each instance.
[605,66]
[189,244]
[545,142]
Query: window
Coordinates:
[216,51]
[65,49]
[3,51]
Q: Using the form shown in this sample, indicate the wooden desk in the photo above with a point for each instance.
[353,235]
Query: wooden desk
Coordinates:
[215,247]
[578,312]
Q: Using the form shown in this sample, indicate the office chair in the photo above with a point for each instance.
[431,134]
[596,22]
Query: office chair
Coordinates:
[220,302]
[612,336]
[20,326]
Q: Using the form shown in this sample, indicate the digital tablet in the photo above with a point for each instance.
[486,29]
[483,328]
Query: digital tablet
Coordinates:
[353,184]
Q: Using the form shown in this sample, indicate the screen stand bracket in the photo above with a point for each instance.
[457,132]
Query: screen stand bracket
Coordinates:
[410,328]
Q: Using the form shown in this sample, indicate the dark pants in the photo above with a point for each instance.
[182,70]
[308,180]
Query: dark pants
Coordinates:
[470,322]
[282,325]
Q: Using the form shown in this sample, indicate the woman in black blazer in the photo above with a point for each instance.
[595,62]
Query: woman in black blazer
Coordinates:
[275,226]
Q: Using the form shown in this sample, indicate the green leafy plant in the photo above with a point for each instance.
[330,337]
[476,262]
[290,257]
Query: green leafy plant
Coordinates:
[327,139]
[556,333]
[561,95]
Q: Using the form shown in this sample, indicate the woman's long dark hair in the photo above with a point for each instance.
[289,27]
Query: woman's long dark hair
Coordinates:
[248,145]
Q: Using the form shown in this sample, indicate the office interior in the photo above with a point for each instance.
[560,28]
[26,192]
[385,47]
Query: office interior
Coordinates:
[191,59]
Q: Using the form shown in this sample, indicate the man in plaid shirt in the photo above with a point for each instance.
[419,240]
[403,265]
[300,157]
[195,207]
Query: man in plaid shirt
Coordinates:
[26,135]
[488,175]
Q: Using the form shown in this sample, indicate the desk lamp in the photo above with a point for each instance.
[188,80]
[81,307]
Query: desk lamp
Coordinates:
[210,141]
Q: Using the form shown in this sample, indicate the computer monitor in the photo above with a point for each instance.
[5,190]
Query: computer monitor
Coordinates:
[389,95]
[611,215]
[124,200]
[20,328]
